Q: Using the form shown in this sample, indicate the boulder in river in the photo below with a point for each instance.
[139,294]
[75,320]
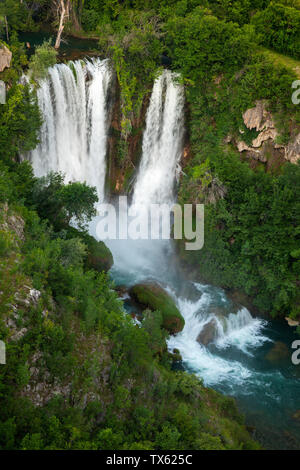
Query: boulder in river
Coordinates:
[151,295]
[208,333]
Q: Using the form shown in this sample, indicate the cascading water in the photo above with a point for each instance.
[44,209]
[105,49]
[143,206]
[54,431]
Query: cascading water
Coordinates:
[73,140]
[73,136]
[155,181]
[162,143]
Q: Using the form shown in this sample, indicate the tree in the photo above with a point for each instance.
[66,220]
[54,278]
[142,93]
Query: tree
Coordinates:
[16,15]
[59,203]
[44,57]
[62,10]
[278,26]
[13,13]
[202,46]
[19,122]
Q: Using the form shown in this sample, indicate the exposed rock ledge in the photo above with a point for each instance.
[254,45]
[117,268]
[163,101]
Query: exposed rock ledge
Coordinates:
[5,58]
[292,151]
[292,322]
[260,119]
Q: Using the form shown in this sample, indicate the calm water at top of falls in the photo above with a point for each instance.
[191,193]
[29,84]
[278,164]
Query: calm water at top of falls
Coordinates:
[236,363]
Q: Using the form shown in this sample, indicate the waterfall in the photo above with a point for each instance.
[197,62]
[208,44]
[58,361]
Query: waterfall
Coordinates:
[162,143]
[73,137]
[136,260]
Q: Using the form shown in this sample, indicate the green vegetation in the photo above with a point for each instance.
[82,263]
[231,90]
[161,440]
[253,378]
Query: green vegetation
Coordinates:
[281,59]
[59,203]
[44,57]
[19,121]
[213,44]
[79,373]
[99,256]
[278,27]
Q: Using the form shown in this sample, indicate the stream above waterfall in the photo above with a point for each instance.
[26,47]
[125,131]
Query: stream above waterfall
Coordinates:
[239,362]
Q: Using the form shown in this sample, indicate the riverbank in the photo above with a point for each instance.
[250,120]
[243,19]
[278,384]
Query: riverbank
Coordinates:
[72,47]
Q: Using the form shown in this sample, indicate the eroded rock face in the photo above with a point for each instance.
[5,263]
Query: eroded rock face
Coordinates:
[266,134]
[260,119]
[253,117]
[5,58]
[292,151]
[292,322]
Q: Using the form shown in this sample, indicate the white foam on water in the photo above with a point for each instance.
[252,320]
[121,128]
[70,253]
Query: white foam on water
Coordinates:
[237,330]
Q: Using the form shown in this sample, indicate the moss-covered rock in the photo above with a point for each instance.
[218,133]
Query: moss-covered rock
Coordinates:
[99,256]
[152,296]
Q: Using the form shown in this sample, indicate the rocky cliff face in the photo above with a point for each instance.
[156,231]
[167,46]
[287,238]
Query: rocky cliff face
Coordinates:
[5,58]
[22,308]
[264,146]
[123,153]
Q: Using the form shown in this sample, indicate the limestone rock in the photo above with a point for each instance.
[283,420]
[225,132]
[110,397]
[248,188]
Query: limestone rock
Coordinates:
[292,322]
[292,151]
[242,146]
[253,117]
[5,58]
[228,139]
[251,152]
[266,134]
[12,222]
[261,120]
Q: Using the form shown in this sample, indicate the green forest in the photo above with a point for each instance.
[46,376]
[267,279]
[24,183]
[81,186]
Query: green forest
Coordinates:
[80,374]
